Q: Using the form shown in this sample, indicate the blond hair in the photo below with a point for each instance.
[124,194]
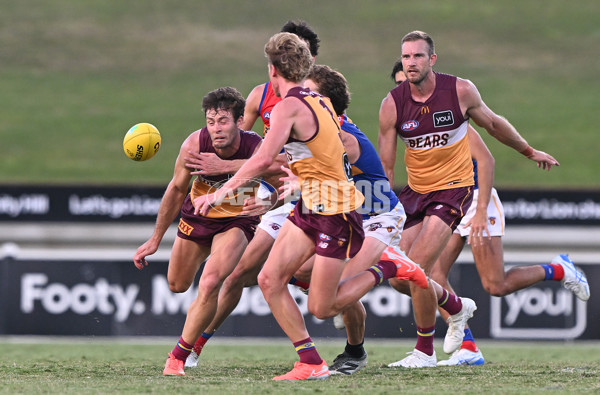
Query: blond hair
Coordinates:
[289,55]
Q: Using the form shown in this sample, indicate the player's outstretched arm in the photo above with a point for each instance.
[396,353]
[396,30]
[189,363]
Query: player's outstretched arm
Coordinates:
[386,141]
[170,206]
[498,126]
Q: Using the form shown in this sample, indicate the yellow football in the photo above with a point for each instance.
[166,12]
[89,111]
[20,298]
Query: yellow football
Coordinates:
[141,142]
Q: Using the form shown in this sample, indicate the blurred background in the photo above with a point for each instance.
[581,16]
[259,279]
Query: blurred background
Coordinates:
[75,76]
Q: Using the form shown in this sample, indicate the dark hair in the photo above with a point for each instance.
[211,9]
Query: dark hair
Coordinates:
[419,35]
[227,98]
[332,84]
[305,32]
[397,67]
[290,56]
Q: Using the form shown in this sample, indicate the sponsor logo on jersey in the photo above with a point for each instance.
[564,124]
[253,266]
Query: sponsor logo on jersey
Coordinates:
[322,244]
[410,125]
[275,226]
[443,118]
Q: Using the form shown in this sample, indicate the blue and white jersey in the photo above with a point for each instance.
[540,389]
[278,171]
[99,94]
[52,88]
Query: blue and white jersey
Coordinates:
[368,174]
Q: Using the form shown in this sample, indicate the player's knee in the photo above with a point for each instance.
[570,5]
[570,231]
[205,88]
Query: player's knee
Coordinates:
[179,286]
[265,282]
[494,288]
[321,310]
[210,284]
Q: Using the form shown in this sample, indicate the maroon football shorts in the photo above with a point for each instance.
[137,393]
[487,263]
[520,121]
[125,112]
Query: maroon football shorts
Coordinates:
[450,205]
[336,236]
[202,230]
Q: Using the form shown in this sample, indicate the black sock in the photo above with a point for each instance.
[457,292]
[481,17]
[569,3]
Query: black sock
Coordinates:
[355,350]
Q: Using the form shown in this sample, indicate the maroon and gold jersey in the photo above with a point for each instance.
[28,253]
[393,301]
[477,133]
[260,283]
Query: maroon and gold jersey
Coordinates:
[204,185]
[437,154]
[321,162]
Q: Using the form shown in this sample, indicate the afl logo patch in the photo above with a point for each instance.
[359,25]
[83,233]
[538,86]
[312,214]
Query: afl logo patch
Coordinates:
[410,125]
[324,237]
[267,115]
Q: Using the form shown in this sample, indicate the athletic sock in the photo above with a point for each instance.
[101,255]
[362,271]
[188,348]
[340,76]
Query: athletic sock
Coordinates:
[554,272]
[468,341]
[355,350]
[425,340]
[308,352]
[182,350]
[299,283]
[450,302]
[201,342]
[383,270]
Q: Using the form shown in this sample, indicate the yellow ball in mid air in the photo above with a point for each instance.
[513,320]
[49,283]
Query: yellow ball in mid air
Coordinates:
[141,142]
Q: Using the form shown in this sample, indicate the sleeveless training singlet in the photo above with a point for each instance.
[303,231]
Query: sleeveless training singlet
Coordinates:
[437,154]
[321,163]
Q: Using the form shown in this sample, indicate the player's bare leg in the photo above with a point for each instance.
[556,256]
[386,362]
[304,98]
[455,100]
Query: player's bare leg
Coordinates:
[186,258]
[244,275]
[424,243]
[291,249]
[226,251]
[489,260]
[441,269]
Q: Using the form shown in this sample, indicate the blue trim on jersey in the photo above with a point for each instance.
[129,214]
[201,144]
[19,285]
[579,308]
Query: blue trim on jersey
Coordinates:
[268,186]
[262,99]
[371,181]
[475,174]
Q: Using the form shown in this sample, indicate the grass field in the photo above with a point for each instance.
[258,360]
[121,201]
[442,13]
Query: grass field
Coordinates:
[75,76]
[99,366]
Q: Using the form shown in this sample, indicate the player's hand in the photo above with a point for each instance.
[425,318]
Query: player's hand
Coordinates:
[254,206]
[203,204]
[204,163]
[478,228]
[290,186]
[544,161]
[148,248]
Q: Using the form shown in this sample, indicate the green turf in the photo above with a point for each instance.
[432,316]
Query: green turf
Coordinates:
[111,367]
[75,75]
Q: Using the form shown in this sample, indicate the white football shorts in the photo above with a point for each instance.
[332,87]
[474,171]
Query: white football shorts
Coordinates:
[272,221]
[386,227]
[495,213]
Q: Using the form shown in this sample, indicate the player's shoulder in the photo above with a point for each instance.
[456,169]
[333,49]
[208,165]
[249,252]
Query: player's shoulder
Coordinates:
[466,90]
[192,141]
[256,92]
[464,84]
